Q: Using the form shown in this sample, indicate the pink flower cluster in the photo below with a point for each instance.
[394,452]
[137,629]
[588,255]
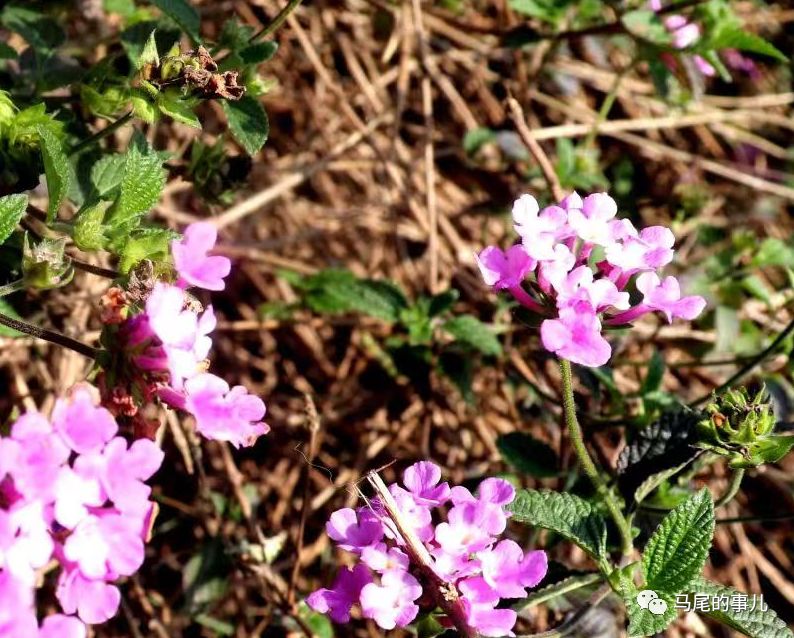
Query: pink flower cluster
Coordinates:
[686,33]
[574,267]
[172,339]
[72,494]
[464,548]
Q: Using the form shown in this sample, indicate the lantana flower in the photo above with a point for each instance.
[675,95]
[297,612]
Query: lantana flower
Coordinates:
[559,278]
[465,549]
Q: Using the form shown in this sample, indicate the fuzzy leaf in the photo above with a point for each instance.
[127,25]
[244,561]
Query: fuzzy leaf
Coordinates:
[677,551]
[178,110]
[56,168]
[142,182]
[258,52]
[733,37]
[469,330]
[181,12]
[570,516]
[88,232]
[148,243]
[107,172]
[665,444]
[248,122]
[528,455]
[755,624]
[643,622]
[149,53]
[41,32]
[12,208]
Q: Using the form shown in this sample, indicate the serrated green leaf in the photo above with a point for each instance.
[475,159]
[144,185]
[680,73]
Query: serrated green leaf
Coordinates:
[258,52]
[12,208]
[8,310]
[664,445]
[183,13]
[135,38]
[248,122]
[678,549]
[655,374]
[442,302]
[88,232]
[528,455]
[150,243]
[56,168]
[142,182]
[755,623]
[734,37]
[458,369]
[107,172]
[469,330]
[336,291]
[149,53]
[142,108]
[571,517]
[178,110]
[643,622]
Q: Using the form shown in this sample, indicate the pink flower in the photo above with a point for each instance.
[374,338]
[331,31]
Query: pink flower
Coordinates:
[470,528]
[25,541]
[354,530]
[684,32]
[391,604]
[94,601]
[539,229]
[592,223]
[75,492]
[84,426]
[665,296]
[39,455]
[222,413]
[17,617]
[650,249]
[576,336]
[599,294]
[345,592]
[192,260]
[504,269]
[105,545]
[381,558]
[508,571]
[123,471]
[479,601]
[423,481]
[60,626]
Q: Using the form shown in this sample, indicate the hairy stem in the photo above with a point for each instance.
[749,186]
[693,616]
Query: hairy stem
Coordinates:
[49,335]
[589,467]
[110,128]
[733,489]
[14,286]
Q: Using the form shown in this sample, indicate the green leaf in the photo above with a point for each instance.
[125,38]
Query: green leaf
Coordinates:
[142,107]
[653,451]
[734,37]
[7,52]
[107,172]
[476,139]
[88,231]
[181,12]
[774,252]
[442,302]
[528,455]
[642,621]
[142,182]
[755,624]
[678,549]
[178,110]
[12,208]
[136,38]
[220,627]
[9,311]
[248,123]
[458,368]
[655,374]
[258,52]
[148,243]
[472,332]
[571,517]
[56,168]
[335,291]
[646,24]
[149,53]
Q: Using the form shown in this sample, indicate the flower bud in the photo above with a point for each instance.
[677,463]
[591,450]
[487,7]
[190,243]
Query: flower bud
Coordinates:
[46,265]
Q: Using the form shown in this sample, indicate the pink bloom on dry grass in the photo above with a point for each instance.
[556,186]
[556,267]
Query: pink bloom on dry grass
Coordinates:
[194,264]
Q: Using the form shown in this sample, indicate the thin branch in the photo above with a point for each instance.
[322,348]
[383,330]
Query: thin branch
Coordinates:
[49,335]
[535,149]
[445,594]
[110,128]
[277,21]
[747,367]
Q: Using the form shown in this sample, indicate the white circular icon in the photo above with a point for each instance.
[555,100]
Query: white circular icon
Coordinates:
[657,606]
[645,597]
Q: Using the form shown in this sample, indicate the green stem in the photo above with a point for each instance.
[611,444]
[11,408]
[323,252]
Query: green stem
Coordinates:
[110,128]
[14,286]
[733,489]
[748,367]
[49,335]
[589,467]
[277,21]
[606,105]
